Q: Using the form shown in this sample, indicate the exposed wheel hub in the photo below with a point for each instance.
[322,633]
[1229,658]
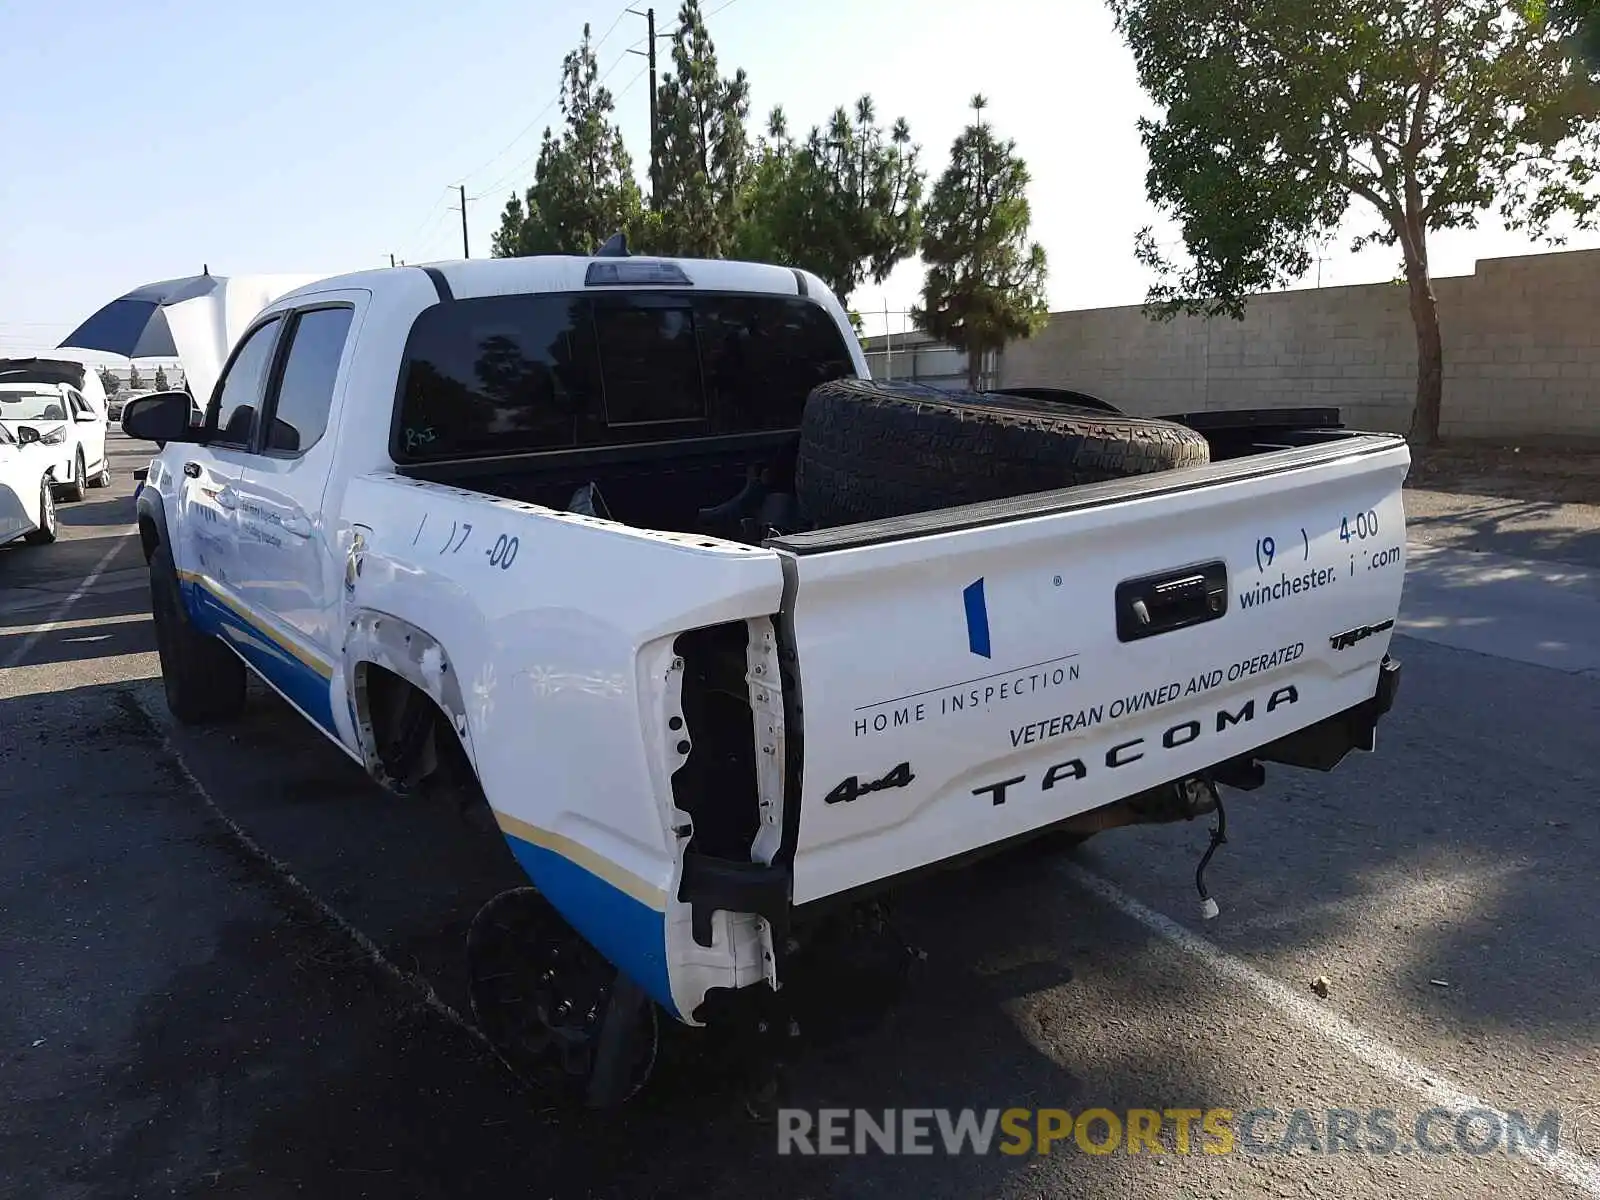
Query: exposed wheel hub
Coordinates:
[543,995]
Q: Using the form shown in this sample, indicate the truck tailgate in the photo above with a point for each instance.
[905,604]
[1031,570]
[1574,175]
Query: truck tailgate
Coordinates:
[971,675]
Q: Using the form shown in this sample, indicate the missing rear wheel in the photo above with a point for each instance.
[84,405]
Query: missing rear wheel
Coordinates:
[544,996]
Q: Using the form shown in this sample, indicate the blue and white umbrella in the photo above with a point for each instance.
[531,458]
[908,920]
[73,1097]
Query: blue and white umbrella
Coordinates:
[135,325]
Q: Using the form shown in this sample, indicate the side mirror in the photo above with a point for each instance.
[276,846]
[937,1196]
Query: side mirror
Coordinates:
[85,416]
[26,435]
[163,417]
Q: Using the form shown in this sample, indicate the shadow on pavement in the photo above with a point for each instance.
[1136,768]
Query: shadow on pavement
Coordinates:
[95,511]
[1518,528]
[259,1053]
[1463,851]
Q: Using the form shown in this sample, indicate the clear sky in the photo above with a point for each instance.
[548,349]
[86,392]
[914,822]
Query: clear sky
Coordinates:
[146,140]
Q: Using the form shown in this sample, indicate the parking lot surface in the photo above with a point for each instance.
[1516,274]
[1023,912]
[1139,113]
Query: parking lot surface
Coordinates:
[232,966]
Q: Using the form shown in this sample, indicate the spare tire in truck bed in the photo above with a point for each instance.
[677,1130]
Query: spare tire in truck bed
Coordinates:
[871,450]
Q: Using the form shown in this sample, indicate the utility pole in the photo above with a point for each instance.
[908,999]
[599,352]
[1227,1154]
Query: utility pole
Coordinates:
[391,260]
[466,247]
[649,53]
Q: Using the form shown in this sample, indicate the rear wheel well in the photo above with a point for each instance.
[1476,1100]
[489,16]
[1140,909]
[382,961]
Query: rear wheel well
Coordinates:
[415,748]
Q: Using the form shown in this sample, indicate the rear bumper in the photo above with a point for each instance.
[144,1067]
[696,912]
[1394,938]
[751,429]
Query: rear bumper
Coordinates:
[1322,746]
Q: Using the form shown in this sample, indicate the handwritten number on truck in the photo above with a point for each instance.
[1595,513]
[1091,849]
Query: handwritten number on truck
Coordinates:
[503,552]
[464,528]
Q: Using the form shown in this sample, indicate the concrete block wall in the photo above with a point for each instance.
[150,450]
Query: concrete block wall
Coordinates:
[1521,352]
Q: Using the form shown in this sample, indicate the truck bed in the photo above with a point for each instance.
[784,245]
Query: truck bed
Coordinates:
[966,676]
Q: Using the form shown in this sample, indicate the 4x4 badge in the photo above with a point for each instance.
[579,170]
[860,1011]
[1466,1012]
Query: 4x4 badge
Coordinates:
[854,789]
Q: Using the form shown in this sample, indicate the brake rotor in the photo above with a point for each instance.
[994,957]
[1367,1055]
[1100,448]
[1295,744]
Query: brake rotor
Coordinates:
[540,994]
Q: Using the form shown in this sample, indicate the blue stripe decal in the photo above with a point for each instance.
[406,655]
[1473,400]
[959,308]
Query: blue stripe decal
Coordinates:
[977,618]
[311,691]
[631,935]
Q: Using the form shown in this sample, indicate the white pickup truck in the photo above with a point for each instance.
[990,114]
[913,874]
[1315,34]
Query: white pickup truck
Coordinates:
[724,632]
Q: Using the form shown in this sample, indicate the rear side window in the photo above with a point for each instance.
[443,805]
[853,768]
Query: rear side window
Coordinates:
[514,374]
[305,393]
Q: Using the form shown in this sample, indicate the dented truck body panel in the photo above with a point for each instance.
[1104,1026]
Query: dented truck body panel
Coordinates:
[685,740]
[568,693]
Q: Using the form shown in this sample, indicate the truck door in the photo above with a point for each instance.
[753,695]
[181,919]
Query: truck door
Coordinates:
[207,544]
[293,565]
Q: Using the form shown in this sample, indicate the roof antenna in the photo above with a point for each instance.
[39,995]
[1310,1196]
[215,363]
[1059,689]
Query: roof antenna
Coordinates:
[616,246]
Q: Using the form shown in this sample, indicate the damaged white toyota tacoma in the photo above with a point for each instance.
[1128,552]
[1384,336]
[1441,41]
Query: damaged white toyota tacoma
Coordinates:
[724,632]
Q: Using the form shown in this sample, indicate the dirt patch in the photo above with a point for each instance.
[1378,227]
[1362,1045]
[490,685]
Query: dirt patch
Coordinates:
[1537,473]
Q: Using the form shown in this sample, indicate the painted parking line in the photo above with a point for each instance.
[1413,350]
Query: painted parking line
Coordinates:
[1575,1169]
[59,612]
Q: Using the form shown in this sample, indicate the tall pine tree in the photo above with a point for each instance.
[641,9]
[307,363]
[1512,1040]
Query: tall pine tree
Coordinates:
[704,151]
[985,284]
[583,189]
[844,204]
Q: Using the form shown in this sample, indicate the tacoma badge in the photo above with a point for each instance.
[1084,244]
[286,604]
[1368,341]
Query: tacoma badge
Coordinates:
[1343,641]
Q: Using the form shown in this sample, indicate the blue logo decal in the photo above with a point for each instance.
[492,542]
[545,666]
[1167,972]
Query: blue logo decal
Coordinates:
[977,618]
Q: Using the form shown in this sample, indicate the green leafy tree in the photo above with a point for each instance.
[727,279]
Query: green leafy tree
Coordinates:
[161,379]
[135,380]
[1577,19]
[771,201]
[583,189]
[704,153]
[109,381]
[1279,113]
[985,284]
[845,204]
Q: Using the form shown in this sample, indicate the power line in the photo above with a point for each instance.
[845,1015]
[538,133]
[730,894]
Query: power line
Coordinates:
[433,215]
[643,71]
[523,132]
[633,49]
[518,169]
[607,34]
[508,176]
[427,239]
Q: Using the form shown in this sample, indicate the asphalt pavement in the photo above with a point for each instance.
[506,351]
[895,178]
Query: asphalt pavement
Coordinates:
[232,967]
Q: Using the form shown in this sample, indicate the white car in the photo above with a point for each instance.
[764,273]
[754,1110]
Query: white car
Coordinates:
[27,497]
[70,427]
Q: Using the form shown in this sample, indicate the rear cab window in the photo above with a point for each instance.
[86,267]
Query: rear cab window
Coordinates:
[557,372]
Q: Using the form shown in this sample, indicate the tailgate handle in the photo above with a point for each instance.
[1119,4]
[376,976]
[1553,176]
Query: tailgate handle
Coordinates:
[1154,604]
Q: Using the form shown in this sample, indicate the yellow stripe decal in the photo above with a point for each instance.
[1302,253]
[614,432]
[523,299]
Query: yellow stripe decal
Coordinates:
[623,880]
[304,655]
